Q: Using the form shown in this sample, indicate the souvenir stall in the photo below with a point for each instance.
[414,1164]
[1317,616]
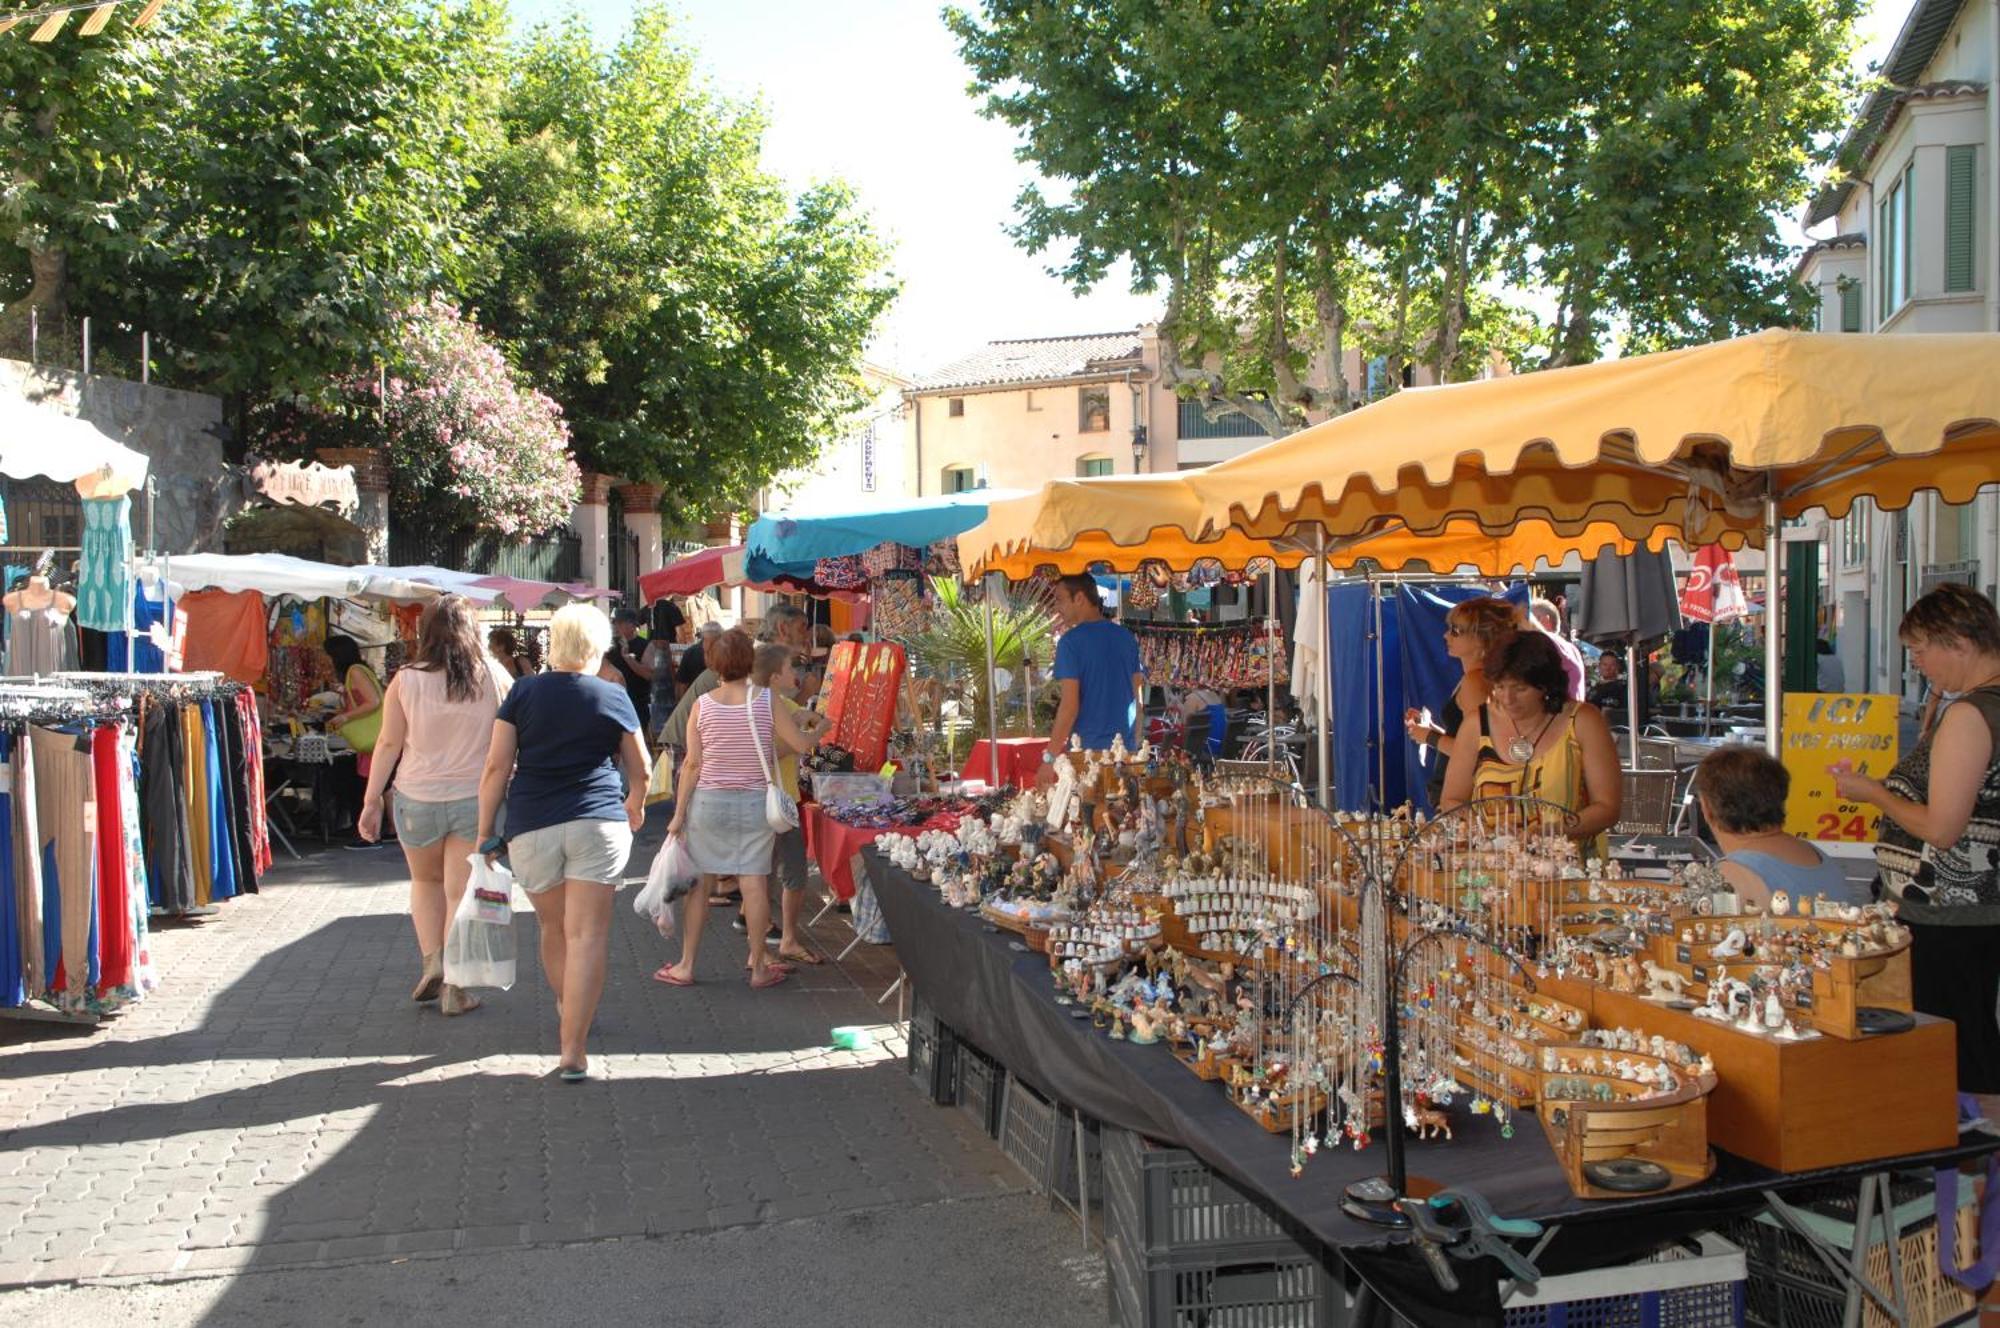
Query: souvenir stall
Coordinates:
[1376,1003]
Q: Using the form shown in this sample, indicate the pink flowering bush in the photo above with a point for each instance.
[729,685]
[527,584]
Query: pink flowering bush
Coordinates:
[464,433]
[470,445]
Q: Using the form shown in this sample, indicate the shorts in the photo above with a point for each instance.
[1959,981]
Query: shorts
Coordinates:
[570,851]
[788,859]
[420,824]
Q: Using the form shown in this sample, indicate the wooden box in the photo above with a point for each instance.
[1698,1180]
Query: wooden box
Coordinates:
[1796,1106]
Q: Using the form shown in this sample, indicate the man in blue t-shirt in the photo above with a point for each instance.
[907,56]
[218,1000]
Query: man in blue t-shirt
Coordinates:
[1097,663]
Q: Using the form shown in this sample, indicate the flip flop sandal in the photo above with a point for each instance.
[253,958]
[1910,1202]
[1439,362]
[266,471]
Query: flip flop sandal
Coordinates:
[573,1074]
[806,957]
[671,978]
[771,977]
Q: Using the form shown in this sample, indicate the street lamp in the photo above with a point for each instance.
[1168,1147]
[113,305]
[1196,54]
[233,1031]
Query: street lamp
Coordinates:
[1138,449]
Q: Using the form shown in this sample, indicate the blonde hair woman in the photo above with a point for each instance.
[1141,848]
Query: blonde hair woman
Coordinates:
[437,726]
[560,743]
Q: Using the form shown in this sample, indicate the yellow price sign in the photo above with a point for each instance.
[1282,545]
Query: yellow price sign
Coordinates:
[1822,728]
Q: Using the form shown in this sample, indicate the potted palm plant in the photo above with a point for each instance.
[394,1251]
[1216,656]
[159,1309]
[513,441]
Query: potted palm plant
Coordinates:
[952,650]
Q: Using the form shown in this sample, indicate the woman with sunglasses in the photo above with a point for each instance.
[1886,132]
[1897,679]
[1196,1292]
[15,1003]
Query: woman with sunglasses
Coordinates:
[1474,631]
[1531,739]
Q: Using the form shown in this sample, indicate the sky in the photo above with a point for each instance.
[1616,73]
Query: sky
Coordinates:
[873,92]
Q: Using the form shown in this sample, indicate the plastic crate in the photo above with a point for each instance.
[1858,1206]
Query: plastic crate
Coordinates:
[982,1087]
[931,1059]
[1029,1134]
[1062,1161]
[1791,1288]
[1166,1203]
[1673,1289]
[1289,1292]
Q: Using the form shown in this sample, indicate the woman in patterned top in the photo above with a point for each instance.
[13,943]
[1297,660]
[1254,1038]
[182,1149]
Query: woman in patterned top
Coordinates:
[1939,851]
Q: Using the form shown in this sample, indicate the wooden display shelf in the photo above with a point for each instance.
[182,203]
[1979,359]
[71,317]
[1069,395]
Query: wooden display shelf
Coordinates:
[1669,1130]
[1826,1102]
[1839,992]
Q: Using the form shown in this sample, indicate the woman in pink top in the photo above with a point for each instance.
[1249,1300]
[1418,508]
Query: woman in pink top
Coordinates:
[729,765]
[437,722]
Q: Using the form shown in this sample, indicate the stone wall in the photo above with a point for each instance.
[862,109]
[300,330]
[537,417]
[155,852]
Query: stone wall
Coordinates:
[181,432]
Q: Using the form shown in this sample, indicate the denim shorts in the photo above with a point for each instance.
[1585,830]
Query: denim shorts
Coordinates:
[570,851]
[420,824]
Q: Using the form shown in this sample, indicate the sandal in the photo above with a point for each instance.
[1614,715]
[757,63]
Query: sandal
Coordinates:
[432,980]
[667,975]
[770,977]
[806,957]
[573,1074]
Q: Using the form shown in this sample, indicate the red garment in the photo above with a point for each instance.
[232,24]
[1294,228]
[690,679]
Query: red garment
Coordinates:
[114,887]
[226,633]
[253,757]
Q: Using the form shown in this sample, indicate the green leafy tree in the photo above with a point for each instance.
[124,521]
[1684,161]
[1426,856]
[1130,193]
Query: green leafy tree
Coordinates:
[1304,179]
[702,329]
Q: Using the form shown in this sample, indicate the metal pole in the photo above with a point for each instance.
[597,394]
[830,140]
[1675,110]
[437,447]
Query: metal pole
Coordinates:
[1323,684]
[1708,712]
[86,346]
[1774,622]
[992,692]
[1632,705]
[35,335]
[1271,648]
[145,358]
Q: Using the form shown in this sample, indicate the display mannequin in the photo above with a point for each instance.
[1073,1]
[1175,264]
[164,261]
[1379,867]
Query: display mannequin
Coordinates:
[39,636]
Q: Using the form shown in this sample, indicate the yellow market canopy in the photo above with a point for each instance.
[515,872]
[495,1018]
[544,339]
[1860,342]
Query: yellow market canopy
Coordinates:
[1698,438]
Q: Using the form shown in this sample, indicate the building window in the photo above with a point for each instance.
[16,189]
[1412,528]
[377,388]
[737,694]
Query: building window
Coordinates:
[1850,304]
[1854,535]
[1194,423]
[1893,216]
[954,406]
[1960,212]
[960,479]
[1093,409]
[1090,466]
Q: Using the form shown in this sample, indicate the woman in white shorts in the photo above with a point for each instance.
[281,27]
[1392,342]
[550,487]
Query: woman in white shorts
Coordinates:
[561,742]
[437,723]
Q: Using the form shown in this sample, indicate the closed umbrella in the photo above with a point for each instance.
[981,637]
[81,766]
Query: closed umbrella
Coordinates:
[1628,599]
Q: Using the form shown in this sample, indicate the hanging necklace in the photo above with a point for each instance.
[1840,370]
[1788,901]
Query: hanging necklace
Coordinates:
[1521,748]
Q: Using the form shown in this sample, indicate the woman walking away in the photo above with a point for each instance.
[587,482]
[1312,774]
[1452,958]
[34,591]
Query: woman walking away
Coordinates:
[437,724]
[736,733]
[560,743]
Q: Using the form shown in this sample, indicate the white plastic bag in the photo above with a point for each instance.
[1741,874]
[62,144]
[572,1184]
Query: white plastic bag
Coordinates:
[479,948]
[671,876]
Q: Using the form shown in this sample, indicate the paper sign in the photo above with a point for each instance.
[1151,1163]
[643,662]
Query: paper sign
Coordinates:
[1822,728]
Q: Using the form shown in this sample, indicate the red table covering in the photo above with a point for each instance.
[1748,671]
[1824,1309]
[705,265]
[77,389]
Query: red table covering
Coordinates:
[833,843]
[1020,760]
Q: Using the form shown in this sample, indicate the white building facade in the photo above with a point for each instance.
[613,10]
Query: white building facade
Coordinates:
[1912,248]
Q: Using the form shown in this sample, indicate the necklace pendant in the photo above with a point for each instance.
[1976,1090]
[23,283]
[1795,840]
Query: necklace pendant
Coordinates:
[1520,751]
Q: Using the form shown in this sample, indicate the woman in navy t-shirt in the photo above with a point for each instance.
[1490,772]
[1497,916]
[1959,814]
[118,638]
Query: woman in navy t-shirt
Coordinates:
[559,743]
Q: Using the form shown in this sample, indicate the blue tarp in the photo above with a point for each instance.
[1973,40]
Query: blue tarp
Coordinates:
[1419,674]
[790,543]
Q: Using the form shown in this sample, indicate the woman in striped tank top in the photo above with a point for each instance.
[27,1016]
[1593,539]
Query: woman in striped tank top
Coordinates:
[723,817]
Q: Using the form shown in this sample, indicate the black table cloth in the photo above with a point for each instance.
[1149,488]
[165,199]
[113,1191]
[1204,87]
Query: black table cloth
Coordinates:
[1000,996]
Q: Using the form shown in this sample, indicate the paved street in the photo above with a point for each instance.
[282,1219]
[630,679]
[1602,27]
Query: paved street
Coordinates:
[282,1109]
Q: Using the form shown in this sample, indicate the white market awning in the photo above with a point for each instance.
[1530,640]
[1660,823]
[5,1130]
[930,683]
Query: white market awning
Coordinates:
[267,574]
[41,440]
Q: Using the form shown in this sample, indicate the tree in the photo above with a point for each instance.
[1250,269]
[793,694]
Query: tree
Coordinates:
[1304,177]
[315,188]
[703,330]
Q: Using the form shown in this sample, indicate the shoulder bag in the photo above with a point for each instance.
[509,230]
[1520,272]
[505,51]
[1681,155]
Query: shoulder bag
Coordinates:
[780,811]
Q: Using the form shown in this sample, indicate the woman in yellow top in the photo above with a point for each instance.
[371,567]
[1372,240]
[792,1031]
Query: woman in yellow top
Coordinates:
[1529,738]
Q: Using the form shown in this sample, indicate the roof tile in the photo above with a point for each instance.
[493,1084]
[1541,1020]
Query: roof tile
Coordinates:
[1034,360]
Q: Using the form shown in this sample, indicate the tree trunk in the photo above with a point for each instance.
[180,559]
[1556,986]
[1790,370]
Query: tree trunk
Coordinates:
[1291,392]
[49,264]
[1331,310]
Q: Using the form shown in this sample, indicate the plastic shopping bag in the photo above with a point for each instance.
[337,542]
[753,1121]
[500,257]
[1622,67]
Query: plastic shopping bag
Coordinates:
[671,876]
[479,948]
[660,787]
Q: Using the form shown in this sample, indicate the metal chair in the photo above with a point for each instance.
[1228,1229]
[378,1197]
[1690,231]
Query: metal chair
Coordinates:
[1649,802]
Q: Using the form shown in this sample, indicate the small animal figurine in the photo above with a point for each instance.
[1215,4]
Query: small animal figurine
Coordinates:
[1429,1121]
[1663,983]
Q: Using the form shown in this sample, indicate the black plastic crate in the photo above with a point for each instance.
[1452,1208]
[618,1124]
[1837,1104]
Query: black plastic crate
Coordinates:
[1296,1291]
[1029,1132]
[982,1087]
[1166,1203]
[932,1060]
[1062,1162]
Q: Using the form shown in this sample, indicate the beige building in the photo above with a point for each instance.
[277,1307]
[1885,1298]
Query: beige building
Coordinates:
[1913,248]
[1015,414]
[862,466]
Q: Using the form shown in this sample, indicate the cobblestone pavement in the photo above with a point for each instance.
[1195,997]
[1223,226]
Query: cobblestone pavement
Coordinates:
[282,1102]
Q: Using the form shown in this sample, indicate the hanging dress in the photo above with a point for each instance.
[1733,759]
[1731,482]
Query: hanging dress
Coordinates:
[104,582]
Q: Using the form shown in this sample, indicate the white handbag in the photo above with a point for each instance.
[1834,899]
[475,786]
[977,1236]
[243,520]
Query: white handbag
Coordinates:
[780,810]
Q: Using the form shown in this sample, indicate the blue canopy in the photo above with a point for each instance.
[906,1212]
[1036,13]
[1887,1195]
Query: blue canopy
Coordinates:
[789,543]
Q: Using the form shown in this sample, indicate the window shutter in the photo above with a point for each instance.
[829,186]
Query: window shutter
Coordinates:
[1959,214]
[1850,307]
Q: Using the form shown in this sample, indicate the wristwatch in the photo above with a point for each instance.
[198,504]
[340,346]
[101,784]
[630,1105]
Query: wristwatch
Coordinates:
[1048,757]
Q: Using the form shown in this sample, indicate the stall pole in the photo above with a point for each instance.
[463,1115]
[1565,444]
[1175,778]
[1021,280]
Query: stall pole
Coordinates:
[1708,682]
[1632,705]
[992,692]
[1271,673]
[1322,685]
[1774,619]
